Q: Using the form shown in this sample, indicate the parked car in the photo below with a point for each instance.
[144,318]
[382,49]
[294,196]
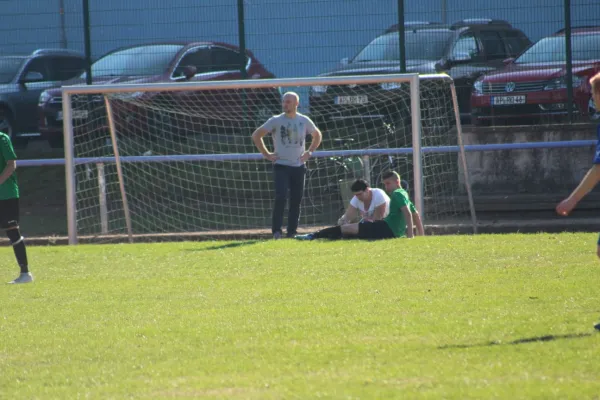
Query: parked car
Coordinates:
[23,78]
[535,83]
[465,50]
[166,62]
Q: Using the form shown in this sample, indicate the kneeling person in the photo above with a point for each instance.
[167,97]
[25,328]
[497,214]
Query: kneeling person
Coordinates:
[370,204]
[398,223]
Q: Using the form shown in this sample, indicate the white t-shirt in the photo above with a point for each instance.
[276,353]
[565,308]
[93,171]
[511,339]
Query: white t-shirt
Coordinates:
[379,198]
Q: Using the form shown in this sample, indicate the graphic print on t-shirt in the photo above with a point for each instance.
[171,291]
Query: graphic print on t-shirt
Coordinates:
[290,134]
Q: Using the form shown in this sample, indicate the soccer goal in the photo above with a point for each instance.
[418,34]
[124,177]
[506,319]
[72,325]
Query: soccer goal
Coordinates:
[176,160]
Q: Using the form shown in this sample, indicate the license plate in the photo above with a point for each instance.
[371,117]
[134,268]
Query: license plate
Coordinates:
[351,100]
[508,100]
[76,114]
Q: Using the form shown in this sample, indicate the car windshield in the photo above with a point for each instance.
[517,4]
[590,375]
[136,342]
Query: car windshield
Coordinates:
[553,49]
[9,67]
[420,45]
[136,61]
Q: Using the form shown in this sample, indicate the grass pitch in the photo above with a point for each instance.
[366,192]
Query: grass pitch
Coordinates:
[454,317]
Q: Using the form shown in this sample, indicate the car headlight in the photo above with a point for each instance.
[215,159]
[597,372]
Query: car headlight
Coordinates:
[478,87]
[561,83]
[319,89]
[44,97]
[390,85]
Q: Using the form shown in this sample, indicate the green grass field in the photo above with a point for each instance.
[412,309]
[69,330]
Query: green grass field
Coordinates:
[453,317]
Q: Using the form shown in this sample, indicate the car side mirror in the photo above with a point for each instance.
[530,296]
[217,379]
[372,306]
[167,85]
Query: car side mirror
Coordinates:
[189,71]
[32,76]
[442,65]
[345,61]
[508,60]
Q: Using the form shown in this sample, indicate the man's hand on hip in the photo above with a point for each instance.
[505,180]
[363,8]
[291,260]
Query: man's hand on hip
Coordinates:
[272,157]
[305,156]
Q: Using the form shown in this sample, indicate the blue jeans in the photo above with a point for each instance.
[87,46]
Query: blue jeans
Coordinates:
[292,179]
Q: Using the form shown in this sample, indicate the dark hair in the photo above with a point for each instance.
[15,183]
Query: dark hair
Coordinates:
[390,174]
[359,185]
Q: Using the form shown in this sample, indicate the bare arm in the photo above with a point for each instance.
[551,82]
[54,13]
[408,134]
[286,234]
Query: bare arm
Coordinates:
[314,144]
[409,222]
[585,186]
[379,212]
[419,223]
[587,183]
[349,216]
[257,138]
[11,166]
[317,136]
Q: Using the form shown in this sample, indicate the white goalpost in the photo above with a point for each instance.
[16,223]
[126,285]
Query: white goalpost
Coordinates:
[174,161]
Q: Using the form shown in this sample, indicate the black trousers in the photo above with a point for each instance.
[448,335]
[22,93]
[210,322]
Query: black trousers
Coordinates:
[287,179]
[9,213]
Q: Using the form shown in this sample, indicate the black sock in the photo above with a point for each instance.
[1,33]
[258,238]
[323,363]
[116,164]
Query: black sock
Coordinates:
[19,248]
[335,232]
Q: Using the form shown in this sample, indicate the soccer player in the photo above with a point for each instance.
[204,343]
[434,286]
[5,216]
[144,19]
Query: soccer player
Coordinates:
[288,130]
[592,177]
[370,204]
[9,206]
[400,221]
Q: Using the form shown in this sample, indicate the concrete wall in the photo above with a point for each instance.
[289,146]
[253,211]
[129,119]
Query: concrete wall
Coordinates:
[528,172]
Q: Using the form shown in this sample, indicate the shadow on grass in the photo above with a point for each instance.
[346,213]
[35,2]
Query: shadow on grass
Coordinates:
[227,246]
[545,338]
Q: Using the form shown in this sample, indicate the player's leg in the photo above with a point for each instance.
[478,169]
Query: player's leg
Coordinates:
[297,175]
[374,230]
[280,174]
[10,223]
[332,233]
[350,229]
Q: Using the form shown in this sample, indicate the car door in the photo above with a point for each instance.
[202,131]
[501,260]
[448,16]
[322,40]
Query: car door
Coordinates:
[494,48]
[229,104]
[34,79]
[466,61]
[65,68]
[516,42]
[252,106]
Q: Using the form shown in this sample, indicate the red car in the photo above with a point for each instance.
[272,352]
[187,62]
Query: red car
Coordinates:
[535,85]
[177,113]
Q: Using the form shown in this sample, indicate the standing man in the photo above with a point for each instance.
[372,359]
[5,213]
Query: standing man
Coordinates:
[289,130]
[9,206]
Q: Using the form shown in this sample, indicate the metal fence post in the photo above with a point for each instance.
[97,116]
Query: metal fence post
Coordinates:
[569,59]
[87,42]
[242,38]
[401,39]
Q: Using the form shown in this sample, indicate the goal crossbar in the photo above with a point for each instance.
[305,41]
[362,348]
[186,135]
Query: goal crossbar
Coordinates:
[249,84]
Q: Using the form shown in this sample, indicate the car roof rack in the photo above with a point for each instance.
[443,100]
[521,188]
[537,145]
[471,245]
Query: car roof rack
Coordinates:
[410,25]
[480,21]
[579,27]
[56,51]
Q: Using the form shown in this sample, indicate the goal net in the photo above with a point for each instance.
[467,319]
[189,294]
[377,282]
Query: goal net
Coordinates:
[177,161]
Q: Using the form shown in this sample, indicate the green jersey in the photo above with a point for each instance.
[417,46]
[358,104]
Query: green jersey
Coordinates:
[9,189]
[395,219]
